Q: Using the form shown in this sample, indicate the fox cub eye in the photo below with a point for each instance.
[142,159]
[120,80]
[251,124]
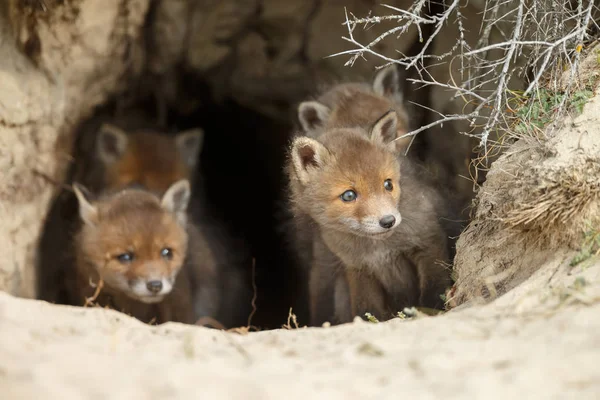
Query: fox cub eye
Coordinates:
[125,257]
[166,253]
[348,195]
[388,185]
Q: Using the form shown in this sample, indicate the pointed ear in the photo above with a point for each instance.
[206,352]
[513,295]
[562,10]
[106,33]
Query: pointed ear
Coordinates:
[312,115]
[385,131]
[176,199]
[387,83]
[111,143]
[87,212]
[189,143]
[308,155]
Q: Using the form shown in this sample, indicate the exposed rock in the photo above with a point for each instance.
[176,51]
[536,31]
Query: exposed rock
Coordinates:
[82,59]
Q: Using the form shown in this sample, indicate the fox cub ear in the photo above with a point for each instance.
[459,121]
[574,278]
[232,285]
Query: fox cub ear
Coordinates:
[87,212]
[312,115]
[384,130]
[189,143]
[176,199]
[111,143]
[387,83]
[307,155]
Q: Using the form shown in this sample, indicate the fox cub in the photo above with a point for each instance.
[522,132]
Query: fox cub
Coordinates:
[145,158]
[109,158]
[368,223]
[145,253]
[350,105]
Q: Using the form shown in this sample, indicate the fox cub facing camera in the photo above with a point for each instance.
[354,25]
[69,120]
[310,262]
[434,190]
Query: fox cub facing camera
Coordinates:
[370,223]
[145,253]
[109,158]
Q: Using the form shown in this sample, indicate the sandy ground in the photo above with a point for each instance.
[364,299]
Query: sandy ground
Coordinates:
[540,340]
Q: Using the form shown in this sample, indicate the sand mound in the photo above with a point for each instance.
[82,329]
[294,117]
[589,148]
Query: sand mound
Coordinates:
[537,341]
[539,199]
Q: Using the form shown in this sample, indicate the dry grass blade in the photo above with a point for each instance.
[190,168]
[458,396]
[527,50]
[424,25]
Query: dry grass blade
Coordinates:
[254,293]
[90,301]
[291,319]
[559,201]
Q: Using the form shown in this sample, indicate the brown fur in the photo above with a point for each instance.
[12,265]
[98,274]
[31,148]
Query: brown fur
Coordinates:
[154,161]
[381,275]
[144,158]
[137,156]
[151,160]
[133,220]
[349,105]
[140,157]
[355,105]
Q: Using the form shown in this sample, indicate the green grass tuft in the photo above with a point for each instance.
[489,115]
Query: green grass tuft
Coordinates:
[590,246]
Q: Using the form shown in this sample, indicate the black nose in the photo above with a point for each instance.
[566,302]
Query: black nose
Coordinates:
[154,286]
[387,221]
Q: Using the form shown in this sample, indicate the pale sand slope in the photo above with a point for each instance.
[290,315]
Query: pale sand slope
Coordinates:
[524,345]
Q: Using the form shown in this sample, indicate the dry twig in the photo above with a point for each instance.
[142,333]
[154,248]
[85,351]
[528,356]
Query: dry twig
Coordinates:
[540,36]
[89,301]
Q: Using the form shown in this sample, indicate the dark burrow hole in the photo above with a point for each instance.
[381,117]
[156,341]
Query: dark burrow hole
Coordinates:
[242,168]
[241,187]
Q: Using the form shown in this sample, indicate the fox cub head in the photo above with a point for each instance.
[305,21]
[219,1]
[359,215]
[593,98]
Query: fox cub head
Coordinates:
[348,179]
[135,241]
[356,105]
[151,160]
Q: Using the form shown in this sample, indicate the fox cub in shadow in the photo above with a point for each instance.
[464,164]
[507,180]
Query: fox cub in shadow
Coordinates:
[144,158]
[109,158]
[349,105]
[153,161]
[116,156]
[148,257]
[367,222]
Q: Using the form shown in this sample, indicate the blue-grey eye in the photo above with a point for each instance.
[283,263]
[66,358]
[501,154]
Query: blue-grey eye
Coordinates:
[348,195]
[388,185]
[166,253]
[125,257]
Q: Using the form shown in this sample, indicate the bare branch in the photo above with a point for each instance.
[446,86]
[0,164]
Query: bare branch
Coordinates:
[518,39]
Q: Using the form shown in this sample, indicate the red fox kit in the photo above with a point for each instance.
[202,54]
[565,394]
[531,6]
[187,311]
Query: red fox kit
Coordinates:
[145,158]
[373,225]
[112,158]
[350,105]
[150,260]
[109,158]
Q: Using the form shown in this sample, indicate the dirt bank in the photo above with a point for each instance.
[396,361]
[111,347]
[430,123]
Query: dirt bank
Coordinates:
[539,341]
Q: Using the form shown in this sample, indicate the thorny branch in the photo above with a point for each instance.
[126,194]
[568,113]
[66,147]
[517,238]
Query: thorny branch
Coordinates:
[532,38]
